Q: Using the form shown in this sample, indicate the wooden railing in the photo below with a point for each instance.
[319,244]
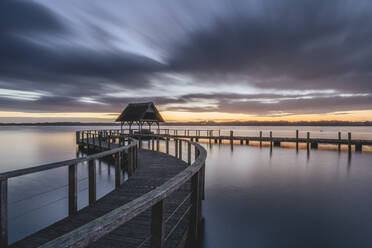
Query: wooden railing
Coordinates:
[154,200]
[129,152]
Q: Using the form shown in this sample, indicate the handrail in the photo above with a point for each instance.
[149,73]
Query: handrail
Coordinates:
[54,165]
[99,227]
[130,151]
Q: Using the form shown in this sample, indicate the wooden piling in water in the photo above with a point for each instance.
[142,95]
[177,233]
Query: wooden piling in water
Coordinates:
[296,140]
[271,139]
[339,141]
[349,141]
[308,141]
[260,138]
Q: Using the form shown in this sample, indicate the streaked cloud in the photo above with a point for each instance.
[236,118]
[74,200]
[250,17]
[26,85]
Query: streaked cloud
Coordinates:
[255,58]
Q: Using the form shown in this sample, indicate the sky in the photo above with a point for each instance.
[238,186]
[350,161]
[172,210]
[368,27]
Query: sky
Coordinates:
[216,60]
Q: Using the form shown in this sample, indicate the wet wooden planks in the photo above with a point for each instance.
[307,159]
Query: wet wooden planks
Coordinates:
[154,170]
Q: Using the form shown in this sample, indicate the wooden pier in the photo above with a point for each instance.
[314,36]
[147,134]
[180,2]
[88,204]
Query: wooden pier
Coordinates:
[158,206]
[214,136]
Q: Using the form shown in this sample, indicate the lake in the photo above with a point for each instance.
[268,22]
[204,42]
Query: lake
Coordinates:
[255,197]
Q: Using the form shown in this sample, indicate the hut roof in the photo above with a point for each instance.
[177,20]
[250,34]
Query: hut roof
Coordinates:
[145,111]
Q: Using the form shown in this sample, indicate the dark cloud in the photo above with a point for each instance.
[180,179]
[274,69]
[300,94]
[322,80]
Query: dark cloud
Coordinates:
[31,64]
[76,61]
[306,44]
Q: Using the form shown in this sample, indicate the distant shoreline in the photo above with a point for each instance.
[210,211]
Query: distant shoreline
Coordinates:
[277,123]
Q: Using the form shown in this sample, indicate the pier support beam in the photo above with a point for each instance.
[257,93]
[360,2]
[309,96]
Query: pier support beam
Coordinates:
[314,145]
[358,147]
[277,143]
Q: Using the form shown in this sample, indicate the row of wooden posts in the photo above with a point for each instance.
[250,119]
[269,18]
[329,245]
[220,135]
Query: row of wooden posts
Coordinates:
[310,142]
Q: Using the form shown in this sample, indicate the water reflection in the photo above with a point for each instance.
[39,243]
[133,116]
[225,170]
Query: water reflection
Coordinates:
[256,195]
[305,198]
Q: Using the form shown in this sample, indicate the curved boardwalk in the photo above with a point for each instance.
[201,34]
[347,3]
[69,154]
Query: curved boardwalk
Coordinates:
[154,169]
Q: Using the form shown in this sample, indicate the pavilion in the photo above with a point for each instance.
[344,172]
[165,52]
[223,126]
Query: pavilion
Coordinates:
[140,114]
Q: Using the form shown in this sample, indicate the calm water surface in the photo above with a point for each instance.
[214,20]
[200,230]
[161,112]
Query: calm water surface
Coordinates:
[254,197]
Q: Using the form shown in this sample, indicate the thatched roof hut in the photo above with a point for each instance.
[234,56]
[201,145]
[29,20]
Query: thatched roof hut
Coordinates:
[140,113]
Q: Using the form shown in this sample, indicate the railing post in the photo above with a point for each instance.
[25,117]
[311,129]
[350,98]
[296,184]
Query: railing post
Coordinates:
[167,145]
[92,181]
[158,224]
[180,150]
[77,137]
[117,170]
[152,143]
[176,148]
[72,189]
[3,212]
[195,209]
[157,144]
[133,160]
[136,157]
[197,153]
[188,153]
[130,161]
[203,182]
